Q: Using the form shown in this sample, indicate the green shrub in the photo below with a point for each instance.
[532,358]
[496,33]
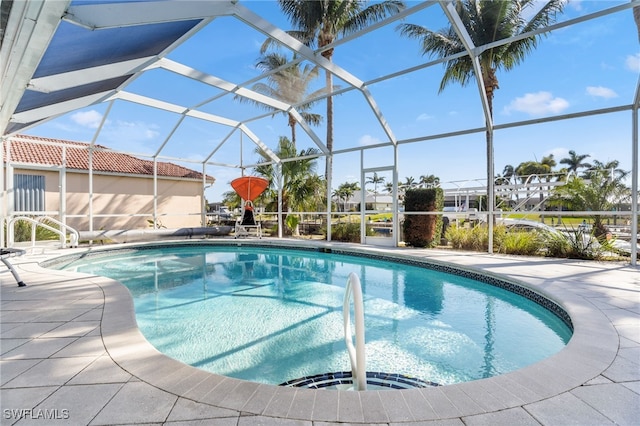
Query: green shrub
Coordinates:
[504,240]
[22,231]
[347,232]
[519,242]
[474,238]
[575,243]
[423,230]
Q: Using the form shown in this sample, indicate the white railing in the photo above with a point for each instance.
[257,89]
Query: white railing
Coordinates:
[356,353]
[73,234]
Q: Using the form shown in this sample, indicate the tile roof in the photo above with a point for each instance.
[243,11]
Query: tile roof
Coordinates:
[46,151]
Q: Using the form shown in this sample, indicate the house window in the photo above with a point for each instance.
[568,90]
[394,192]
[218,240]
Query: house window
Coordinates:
[29,193]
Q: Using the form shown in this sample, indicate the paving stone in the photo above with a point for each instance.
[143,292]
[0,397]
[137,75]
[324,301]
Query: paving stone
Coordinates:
[102,370]
[63,403]
[7,345]
[136,402]
[512,416]
[39,348]
[566,409]
[49,372]
[18,399]
[10,369]
[185,409]
[271,421]
[615,401]
[623,370]
[72,328]
[82,346]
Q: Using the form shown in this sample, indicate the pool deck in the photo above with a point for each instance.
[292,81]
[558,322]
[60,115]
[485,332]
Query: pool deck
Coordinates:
[71,354]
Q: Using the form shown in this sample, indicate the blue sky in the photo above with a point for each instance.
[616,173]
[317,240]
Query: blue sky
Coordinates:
[590,65]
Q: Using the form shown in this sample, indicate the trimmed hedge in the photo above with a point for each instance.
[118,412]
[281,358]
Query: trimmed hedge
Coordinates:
[423,230]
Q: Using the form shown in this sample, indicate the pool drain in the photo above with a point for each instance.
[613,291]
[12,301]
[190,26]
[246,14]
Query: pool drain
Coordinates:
[344,380]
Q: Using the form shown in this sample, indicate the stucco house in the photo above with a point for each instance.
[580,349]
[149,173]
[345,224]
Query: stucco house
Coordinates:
[89,187]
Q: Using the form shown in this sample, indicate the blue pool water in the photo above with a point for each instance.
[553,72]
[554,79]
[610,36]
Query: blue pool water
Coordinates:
[273,315]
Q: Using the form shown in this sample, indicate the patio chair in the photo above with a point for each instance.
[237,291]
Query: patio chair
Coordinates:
[247,224]
[6,253]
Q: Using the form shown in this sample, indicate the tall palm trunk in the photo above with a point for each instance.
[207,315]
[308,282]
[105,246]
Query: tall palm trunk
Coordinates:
[490,84]
[329,166]
[292,124]
[325,39]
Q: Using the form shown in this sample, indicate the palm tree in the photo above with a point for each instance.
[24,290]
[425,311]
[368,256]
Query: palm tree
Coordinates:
[320,23]
[509,173]
[345,191]
[302,188]
[429,181]
[289,85]
[609,170]
[548,162]
[575,162]
[375,180]
[601,192]
[508,177]
[486,21]
[409,182]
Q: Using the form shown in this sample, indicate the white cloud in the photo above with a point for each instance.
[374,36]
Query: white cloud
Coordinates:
[601,92]
[575,4]
[90,119]
[424,117]
[558,153]
[537,104]
[132,136]
[368,140]
[633,62]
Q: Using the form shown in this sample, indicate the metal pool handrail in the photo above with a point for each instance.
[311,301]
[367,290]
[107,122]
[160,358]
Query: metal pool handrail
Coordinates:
[357,354]
[73,234]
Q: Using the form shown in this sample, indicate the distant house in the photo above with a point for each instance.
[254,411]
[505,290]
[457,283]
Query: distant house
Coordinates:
[91,188]
[380,202]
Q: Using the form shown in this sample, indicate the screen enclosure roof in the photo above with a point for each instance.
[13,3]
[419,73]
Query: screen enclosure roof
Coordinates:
[192,64]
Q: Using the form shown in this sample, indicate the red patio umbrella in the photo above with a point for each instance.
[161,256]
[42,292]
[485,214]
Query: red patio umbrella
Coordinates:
[249,187]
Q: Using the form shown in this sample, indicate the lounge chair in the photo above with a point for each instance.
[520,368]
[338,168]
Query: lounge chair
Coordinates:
[6,253]
[247,224]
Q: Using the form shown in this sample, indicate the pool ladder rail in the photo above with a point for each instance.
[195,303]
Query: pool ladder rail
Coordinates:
[357,353]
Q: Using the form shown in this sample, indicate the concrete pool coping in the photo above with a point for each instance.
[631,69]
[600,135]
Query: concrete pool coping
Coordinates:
[594,380]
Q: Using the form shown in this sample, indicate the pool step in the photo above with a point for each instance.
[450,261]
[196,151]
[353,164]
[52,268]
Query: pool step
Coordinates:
[344,380]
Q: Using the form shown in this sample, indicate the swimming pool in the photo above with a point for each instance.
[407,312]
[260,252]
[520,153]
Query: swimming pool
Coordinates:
[274,315]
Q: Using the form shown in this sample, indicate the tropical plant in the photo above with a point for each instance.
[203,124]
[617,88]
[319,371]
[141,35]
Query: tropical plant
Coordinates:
[601,192]
[375,180]
[320,23]
[610,169]
[509,173]
[345,191]
[22,230]
[429,181]
[575,243]
[575,161]
[302,188]
[521,243]
[388,187]
[290,85]
[475,238]
[409,183]
[231,199]
[486,22]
